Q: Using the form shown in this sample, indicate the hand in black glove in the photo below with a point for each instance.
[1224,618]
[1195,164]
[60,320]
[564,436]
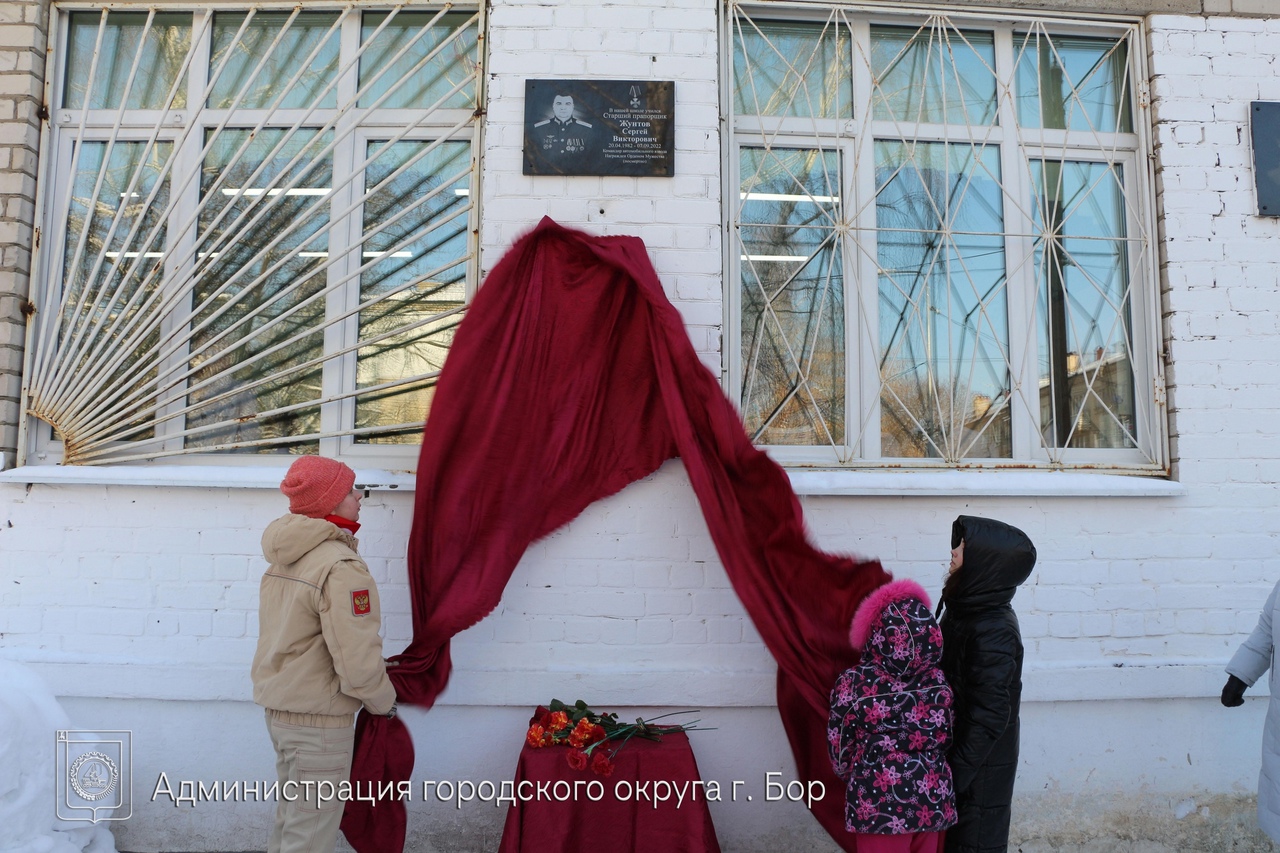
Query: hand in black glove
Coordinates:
[1233,692]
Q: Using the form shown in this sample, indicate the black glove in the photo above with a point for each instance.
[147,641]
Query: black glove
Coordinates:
[1233,692]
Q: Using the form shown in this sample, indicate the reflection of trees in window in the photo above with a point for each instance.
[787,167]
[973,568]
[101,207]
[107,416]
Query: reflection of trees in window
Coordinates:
[934,74]
[979,257]
[792,297]
[943,324]
[784,69]
[256,313]
[107,283]
[1086,378]
[130,60]
[258,276]
[414,284]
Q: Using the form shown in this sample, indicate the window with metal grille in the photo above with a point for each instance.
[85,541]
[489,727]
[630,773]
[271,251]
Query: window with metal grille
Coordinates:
[259,228]
[942,245]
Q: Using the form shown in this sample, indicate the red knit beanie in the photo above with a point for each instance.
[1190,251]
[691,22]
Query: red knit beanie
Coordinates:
[316,485]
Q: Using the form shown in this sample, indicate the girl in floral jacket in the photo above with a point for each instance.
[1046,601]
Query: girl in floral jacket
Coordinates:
[891,723]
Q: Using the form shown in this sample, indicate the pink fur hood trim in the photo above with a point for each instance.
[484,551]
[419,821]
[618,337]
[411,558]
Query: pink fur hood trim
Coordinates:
[875,603]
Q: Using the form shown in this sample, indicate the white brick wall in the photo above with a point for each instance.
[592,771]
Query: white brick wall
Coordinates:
[678,218]
[1222,263]
[21,84]
[149,593]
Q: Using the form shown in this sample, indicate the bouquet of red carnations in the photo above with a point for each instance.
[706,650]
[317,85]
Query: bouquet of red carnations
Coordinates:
[583,730]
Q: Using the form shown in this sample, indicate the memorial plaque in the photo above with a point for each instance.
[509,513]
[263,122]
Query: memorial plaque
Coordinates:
[599,127]
[1264,124]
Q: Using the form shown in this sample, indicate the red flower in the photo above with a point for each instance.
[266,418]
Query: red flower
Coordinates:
[577,759]
[554,721]
[597,734]
[535,736]
[581,734]
[600,764]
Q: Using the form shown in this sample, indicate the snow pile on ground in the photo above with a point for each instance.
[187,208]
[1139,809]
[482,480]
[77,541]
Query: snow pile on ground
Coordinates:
[30,718]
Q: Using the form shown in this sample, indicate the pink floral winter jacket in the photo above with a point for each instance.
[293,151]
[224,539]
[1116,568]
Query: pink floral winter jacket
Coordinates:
[891,718]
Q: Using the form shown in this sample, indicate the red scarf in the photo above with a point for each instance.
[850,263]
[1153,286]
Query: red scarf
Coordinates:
[345,523]
[571,376]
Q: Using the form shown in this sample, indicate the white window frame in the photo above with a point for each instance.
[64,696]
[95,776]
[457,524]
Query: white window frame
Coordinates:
[38,443]
[853,139]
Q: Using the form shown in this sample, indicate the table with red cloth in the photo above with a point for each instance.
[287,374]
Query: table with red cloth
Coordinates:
[630,825]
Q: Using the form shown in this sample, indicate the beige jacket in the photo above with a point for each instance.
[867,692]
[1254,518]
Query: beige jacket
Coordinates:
[319,655]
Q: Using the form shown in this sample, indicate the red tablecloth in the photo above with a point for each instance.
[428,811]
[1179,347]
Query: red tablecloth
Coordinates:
[629,825]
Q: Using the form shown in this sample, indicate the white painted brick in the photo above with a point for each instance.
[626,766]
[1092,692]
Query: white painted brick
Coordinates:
[618,632]
[715,603]
[397,627]
[20,621]
[1139,647]
[1229,622]
[1182,109]
[615,603]
[1059,599]
[1127,624]
[56,622]
[654,631]
[1095,624]
[162,623]
[689,632]
[687,576]
[231,568]
[1176,23]
[189,595]
[580,632]
[542,630]
[724,631]
[1230,24]
[230,623]
[618,575]
[227,650]
[1064,625]
[194,567]
[667,603]
[195,623]
[109,622]
[13,35]
[511,630]
[1032,624]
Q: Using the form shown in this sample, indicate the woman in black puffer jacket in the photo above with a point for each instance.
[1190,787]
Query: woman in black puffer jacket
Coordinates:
[982,659]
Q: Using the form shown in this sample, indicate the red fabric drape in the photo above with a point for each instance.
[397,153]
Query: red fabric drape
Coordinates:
[571,376]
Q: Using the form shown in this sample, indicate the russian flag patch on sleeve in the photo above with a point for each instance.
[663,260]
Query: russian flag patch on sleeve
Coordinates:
[360,605]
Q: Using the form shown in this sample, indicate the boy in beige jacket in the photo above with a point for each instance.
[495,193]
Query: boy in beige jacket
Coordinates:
[319,656]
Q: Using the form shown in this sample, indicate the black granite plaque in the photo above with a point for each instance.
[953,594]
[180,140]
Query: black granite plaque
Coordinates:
[1264,123]
[599,127]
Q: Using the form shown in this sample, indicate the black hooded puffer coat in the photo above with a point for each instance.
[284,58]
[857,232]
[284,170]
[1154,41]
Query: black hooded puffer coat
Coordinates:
[982,659]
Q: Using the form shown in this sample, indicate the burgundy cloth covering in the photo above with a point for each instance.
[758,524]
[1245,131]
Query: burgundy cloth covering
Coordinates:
[385,757]
[633,825]
[571,376]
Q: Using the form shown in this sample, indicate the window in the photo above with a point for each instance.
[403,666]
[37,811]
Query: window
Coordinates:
[942,246]
[260,229]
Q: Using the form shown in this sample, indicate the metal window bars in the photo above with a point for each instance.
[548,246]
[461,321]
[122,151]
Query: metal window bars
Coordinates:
[978,192]
[197,256]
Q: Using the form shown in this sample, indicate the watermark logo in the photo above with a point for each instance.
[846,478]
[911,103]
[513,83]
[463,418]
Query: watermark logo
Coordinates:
[95,772]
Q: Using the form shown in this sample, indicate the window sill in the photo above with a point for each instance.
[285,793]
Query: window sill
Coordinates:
[1054,484]
[196,476]
[1063,484]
